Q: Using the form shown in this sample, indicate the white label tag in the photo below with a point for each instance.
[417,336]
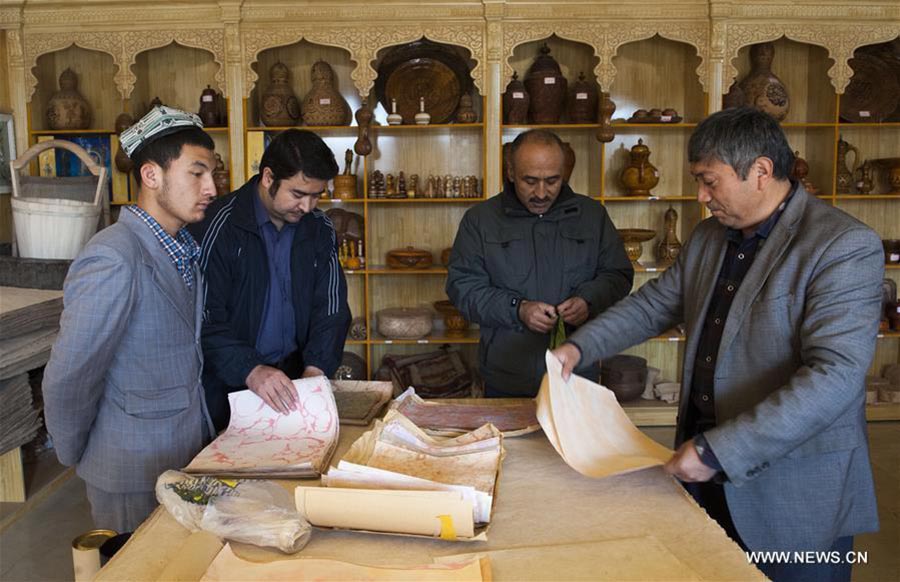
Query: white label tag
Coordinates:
[581,96]
[518,95]
[325,101]
[206,98]
[665,118]
[865,114]
[421,341]
[549,80]
[388,341]
[895,257]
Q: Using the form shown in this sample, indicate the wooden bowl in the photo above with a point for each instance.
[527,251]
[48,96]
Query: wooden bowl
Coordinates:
[409,258]
[632,239]
[404,322]
[454,321]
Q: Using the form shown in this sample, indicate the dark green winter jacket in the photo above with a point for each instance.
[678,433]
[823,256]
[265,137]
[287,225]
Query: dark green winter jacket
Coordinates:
[503,254]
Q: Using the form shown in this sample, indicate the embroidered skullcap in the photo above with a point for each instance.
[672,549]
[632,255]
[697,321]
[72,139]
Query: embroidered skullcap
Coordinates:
[159,122]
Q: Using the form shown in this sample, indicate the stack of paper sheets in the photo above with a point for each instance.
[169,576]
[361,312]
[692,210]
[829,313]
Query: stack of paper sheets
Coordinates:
[19,419]
[260,442]
[398,479]
[359,401]
[29,322]
[513,418]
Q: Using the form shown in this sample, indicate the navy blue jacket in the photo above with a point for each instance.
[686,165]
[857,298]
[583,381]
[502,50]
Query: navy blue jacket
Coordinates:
[236,275]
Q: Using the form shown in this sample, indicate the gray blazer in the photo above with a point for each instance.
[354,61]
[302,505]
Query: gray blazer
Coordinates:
[122,393]
[790,376]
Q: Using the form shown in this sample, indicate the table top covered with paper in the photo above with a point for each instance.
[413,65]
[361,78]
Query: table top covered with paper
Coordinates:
[548,522]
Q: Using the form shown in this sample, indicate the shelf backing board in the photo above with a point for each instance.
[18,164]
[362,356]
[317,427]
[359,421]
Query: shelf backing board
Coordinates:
[299,58]
[651,215]
[437,151]
[176,74]
[816,146]
[667,356]
[803,68]
[887,351]
[95,71]
[424,226]
[404,291]
[657,73]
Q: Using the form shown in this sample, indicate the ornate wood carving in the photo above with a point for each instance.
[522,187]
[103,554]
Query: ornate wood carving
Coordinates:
[606,38]
[838,38]
[138,41]
[363,42]
[37,44]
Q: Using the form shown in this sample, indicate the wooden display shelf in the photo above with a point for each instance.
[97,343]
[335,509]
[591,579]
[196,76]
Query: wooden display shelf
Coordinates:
[430,126]
[71,131]
[419,200]
[467,337]
[812,124]
[658,413]
[341,200]
[669,336]
[892,266]
[846,124]
[314,128]
[550,126]
[649,268]
[888,335]
[385,270]
[354,271]
[867,197]
[628,125]
[646,198]
[216,129]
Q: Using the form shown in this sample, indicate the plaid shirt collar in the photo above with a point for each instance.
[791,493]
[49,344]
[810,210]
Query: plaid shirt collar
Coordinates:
[182,250]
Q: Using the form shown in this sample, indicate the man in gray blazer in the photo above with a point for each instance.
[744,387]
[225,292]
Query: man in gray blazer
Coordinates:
[122,393]
[781,297]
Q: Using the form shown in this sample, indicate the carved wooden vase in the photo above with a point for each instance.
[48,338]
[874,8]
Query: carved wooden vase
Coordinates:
[515,102]
[583,98]
[363,145]
[668,248]
[606,133]
[67,108]
[640,176]
[209,108]
[761,88]
[466,112]
[324,104]
[279,106]
[845,173]
[546,87]
[800,173]
[220,177]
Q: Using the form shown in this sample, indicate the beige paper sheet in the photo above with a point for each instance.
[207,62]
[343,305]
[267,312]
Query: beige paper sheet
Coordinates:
[588,428]
[229,568]
[193,558]
[430,513]
[628,559]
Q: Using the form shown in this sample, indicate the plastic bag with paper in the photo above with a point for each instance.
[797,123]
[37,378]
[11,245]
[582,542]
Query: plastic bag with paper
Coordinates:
[250,511]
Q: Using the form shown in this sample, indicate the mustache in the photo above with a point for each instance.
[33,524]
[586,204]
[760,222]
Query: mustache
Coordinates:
[538,201]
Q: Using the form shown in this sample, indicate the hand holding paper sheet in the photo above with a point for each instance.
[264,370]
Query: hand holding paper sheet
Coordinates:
[588,428]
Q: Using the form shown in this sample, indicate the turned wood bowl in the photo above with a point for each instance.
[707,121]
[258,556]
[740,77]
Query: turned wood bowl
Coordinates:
[454,321]
[632,239]
[409,258]
[404,322]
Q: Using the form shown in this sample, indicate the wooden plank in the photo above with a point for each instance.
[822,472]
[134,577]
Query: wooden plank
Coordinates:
[12,477]
[882,412]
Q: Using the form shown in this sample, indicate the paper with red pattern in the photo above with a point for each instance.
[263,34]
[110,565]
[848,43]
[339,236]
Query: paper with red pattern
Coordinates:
[262,442]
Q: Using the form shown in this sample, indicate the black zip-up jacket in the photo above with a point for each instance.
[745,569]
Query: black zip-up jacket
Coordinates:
[236,274]
[503,253]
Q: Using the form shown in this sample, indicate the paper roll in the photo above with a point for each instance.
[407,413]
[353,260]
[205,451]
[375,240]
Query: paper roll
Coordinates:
[408,512]
[86,563]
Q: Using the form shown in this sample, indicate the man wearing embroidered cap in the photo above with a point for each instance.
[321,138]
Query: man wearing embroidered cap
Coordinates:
[122,392]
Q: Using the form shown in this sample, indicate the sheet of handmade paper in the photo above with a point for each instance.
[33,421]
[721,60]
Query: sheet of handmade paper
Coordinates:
[229,568]
[586,425]
[260,439]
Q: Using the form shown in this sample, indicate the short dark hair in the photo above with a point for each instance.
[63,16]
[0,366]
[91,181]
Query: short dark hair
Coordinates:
[295,150]
[164,150]
[738,137]
[540,136]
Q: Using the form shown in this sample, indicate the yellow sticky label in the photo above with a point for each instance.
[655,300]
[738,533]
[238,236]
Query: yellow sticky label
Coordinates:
[447,530]
[230,482]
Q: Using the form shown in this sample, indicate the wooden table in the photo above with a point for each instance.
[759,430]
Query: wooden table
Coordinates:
[540,502]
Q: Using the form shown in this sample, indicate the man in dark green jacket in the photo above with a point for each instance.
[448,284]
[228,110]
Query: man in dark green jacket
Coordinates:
[536,252]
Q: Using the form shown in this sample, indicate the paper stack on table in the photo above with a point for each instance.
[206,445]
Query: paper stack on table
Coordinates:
[359,401]
[260,442]
[398,479]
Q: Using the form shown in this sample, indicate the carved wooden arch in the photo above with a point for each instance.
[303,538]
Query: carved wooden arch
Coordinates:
[256,41]
[136,42]
[39,44]
[839,39]
[363,43]
[606,38]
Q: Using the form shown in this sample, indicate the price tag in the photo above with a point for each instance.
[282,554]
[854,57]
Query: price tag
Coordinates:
[325,101]
[895,258]
[518,95]
[421,341]
[652,197]
[581,96]
[865,114]
[388,341]
[651,269]
[674,339]
[549,80]
[665,118]
[207,98]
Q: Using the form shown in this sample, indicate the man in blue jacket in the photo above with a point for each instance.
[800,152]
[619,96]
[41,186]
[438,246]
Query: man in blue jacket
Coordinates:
[276,298]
